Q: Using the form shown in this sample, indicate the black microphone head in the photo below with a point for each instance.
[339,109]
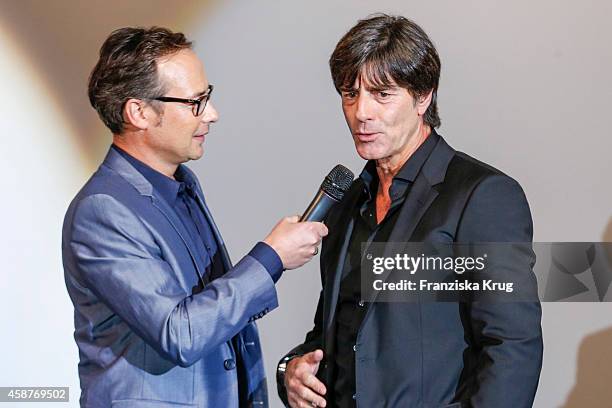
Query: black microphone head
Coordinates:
[337,182]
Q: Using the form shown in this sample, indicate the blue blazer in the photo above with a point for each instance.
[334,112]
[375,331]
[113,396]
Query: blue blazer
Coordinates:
[148,334]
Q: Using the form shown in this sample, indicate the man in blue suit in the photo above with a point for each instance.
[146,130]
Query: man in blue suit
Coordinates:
[162,318]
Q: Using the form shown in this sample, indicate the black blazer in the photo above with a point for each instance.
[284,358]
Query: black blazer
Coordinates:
[440,354]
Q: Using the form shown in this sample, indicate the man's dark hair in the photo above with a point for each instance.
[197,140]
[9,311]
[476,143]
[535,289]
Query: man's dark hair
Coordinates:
[389,48]
[127,68]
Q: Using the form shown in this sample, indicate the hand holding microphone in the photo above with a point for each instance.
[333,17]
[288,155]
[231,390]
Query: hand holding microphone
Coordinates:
[296,240]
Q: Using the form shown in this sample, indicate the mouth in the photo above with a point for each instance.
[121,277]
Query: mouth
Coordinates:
[200,136]
[366,137]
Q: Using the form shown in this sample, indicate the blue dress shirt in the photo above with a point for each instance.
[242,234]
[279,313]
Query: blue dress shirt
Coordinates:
[180,194]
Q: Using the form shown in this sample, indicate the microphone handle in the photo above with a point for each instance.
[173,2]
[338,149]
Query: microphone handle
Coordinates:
[318,208]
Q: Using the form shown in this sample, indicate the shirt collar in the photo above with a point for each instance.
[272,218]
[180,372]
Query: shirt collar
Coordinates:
[167,187]
[407,173]
[184,176]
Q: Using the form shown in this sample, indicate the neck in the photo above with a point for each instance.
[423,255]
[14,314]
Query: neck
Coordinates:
[388,167]
[139,151]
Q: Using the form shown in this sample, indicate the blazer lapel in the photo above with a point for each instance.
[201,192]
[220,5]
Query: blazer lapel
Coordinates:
[178,226]
[423,191]
[119,164]
[188,175]
[420,197]
[335,257]
[227,263]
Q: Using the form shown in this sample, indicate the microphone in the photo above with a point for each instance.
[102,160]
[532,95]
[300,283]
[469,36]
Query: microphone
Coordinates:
[332,190]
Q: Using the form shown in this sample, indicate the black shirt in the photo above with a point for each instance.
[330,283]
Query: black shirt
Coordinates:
[351,310]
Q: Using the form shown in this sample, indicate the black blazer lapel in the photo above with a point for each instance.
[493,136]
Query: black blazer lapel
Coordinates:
[421,196]
[423,192]
[340,224]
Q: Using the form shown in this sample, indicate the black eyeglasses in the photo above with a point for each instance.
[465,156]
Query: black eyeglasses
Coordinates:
[197,105]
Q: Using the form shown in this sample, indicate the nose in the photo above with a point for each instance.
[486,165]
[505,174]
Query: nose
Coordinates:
[364,108]
[210,113]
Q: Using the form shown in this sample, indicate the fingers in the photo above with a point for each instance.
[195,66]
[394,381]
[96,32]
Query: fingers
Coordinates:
[315,384]
[319,231]
[303,387]
[323,231]
[305,390]
[314,357]
[311,367]
[313,232]
[296,242]
[318,228]
[305,397]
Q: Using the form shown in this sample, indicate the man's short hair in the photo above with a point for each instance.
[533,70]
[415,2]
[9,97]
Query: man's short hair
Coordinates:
[127,68]
[389,48]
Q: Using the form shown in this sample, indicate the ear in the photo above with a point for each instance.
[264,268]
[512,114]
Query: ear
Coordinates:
[137,113]
[423,102]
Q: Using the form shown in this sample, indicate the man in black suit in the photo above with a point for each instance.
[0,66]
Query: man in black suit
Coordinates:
[414,188]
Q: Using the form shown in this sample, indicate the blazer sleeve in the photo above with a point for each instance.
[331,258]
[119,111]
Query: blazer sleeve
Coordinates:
[507,336]
[119,261]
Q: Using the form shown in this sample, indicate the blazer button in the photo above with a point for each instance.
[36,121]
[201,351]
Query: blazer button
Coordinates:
[229,364]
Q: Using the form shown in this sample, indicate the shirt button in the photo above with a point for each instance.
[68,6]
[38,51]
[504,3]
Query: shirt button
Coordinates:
[355,348]
[354,396]
[229,364]
[361,303]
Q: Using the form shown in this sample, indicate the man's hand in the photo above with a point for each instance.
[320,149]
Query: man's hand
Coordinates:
[296,242]
[303,388]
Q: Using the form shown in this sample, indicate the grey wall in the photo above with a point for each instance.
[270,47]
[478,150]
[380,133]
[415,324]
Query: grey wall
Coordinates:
[525,87]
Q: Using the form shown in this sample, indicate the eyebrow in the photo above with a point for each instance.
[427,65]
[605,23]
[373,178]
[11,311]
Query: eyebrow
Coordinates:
[377,88]
[380,88]
[195,95]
